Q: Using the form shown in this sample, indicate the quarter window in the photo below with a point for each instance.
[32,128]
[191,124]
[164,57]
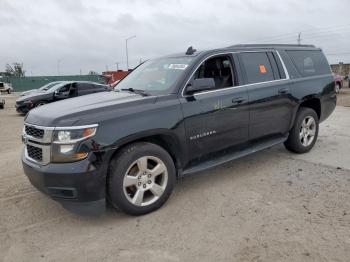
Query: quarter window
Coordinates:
[310,63]
[257,67]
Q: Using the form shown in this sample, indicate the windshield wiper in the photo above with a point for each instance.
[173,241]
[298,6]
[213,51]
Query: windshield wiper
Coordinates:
[136,91]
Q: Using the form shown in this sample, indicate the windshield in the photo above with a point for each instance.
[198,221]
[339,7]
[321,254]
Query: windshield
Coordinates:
[48,86]
[156,76]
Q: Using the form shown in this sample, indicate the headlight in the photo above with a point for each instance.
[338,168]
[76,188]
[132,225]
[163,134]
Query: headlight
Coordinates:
[27,102]
[66,141]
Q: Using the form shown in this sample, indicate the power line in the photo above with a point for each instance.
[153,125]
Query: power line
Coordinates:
[317,31]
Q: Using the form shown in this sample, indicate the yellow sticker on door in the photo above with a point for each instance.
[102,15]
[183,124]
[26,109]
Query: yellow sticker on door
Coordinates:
[262,69]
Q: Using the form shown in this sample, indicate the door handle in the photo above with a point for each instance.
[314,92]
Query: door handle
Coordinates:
[238,100]
[283,91]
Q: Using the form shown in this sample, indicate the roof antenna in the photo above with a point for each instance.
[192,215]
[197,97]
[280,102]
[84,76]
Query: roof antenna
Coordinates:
[190,51]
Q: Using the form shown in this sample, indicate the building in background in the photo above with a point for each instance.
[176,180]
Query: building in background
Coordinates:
[341,69]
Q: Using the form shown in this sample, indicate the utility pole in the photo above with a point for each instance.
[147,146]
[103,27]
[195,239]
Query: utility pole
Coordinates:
[299,38]
[58,66]
[117,63]
[126,50]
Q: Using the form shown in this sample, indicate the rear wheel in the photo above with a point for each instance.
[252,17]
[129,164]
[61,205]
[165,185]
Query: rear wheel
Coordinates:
[8,91]
[303,135]
[141,178]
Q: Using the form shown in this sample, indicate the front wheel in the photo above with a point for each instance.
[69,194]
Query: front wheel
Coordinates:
[303,135]
[141,178]
[40,103]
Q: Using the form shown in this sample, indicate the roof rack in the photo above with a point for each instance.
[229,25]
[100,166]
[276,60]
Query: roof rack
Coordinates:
[271,45]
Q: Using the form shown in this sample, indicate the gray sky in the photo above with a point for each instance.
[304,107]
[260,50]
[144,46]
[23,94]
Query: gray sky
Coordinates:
[90,35]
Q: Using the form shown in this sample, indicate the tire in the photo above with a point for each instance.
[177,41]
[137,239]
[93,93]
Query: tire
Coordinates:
[135,190]
[9,91]
[40,103]
[302,139]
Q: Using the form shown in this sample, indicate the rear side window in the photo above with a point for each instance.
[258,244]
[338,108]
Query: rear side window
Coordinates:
[257,67]
[310,63]
[85,87]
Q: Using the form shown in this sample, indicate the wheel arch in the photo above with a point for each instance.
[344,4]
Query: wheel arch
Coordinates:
[163,138]
[314,103]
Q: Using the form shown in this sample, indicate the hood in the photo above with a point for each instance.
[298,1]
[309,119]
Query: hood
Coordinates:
[29,92]
[88,109]
[35,96]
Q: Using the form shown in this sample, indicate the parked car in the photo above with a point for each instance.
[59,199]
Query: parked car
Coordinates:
[63,90]
[2,103]
[44,88]
[172,117]
[5,87]
[338,83]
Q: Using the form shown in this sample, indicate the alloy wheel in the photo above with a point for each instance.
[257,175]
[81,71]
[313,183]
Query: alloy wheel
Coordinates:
[145,181]
[307,131]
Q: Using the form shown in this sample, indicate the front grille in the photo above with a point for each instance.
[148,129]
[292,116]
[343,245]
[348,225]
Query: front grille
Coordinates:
[34,132]
[35,153]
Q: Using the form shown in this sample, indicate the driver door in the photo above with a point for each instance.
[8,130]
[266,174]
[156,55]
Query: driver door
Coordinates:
[63,92]
[219,118]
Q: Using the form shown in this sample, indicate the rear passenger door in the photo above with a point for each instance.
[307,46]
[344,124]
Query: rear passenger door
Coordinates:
[269,94]
[85,89]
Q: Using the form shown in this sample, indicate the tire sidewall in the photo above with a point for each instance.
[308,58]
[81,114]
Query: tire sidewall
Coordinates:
[120,165]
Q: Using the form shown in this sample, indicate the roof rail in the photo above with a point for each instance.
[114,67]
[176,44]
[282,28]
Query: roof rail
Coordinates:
[270,45]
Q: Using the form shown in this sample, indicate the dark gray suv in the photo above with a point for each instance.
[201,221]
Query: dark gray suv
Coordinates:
[62,90]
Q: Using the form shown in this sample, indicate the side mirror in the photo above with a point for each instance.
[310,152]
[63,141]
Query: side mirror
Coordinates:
[200,84]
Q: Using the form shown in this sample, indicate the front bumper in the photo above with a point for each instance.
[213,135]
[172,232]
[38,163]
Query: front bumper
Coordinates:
[22,108]
[79,186]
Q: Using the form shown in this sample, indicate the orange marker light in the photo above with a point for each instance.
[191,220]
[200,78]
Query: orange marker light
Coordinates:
[88,132]
[80,155]
[262,69]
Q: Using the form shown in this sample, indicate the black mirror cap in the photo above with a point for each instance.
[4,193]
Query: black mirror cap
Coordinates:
[200,84]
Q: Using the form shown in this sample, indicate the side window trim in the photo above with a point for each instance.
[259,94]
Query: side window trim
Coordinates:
[236,62]
[273,63]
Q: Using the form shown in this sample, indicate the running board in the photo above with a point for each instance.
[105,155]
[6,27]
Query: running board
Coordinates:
[226,157]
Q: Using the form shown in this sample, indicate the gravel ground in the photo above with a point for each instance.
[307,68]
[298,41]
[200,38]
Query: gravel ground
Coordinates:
[270,206]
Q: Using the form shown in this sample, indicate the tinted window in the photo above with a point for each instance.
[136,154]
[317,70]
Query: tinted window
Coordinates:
[65,88]
[257,67]
[220,69]
[85,86]
[310,63]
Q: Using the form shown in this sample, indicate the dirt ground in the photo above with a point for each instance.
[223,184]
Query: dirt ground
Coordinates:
[344,96]
[270,206]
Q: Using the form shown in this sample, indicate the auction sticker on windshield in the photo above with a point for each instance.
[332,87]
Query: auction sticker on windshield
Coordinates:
[178,66]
